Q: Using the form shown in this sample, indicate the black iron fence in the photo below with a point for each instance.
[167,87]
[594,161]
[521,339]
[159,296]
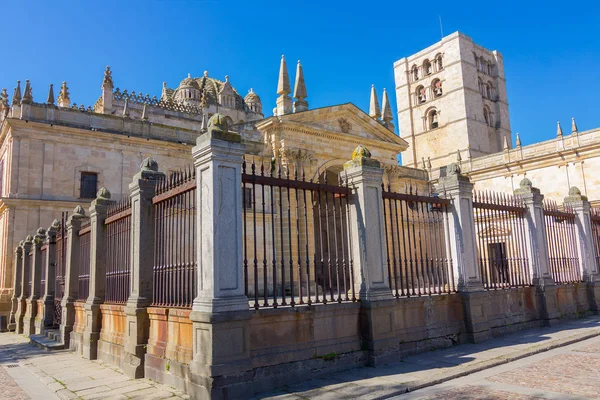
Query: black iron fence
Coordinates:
[43,254]
[175,263]
[295,237]
[118,251]
[84,261]
[595,217]
[501,240]
[418,255]
[59,277]
[562,243]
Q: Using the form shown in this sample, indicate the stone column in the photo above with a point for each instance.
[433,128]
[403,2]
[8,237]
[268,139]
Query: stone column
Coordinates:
[17,286]
[93,316]
[586,250]
[71,274]
[142,189]
[539,260]
[36,277]
[220,314]
[25,280]
[364,176]
[463,250]
[47,317]
[368,245]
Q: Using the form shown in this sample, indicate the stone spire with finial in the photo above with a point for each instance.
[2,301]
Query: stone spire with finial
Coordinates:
[284,102]
[374,110]
[126,108]
[16,100]
[573,126]
[386,114]
[64,100]
[107,81]
[4,107]
[50,99]
[506,146]
[300,90]
[559,131]
[27,93]
[518,140]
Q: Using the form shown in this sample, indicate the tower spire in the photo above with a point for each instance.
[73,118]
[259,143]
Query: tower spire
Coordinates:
[386,115]
[4,107]
[27,94]
[573,126]
[559,131]
[63,97]
[374,110]
[17,94]
[518,140]
[50,99]
[284,102]
[107,82]
[300,90]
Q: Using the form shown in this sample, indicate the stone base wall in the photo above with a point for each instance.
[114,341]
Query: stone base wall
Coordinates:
[112,334]
[169,349]
[573,300]
[39,317]
[76,342]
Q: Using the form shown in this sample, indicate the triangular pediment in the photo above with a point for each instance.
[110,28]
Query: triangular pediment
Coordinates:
[345,121]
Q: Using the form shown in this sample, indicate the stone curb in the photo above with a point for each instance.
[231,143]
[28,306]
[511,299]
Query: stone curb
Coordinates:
[467,370]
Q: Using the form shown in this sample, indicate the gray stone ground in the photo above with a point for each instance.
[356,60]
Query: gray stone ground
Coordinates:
[27,372]
[516,366]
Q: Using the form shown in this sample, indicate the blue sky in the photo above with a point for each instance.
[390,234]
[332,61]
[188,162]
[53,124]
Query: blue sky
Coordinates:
[551,53]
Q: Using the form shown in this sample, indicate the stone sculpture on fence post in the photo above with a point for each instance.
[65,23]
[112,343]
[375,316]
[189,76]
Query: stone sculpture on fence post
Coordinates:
[46,318]
[36,277]
[586,250]
[463,249]
[539,260]
[98,213]
[142,189]
[363,175]
[25,278]
[220,314]
[17,285]
[71,275]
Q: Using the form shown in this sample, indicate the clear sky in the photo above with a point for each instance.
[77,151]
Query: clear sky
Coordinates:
[551,49]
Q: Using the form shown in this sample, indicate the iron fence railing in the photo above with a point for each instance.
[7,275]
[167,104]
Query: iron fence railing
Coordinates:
[59,271]
[295,238]
[501,240]
[43,254]
[175,263]
[118,241]
[84,261]
[595,217]
[418,255]
[562,243]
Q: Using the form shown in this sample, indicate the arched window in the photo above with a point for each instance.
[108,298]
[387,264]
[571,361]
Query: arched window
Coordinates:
[488,117]
[480,86]
[415,73]
[432,119]
[436,88]
[421,94]
[488,91]
[490,68]
[492,90]
[427,70]
[439,64]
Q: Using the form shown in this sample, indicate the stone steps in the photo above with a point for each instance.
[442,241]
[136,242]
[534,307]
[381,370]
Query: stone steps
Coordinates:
[48,341]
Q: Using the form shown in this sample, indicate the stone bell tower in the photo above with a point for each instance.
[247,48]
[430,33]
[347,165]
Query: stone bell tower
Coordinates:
[452,102]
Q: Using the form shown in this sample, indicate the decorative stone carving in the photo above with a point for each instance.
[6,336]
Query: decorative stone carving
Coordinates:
[107,81]
[149,164]
[362,156]
[345,126]
[298,158]
[575,195]
[79,211]
[104,194]
[453,169]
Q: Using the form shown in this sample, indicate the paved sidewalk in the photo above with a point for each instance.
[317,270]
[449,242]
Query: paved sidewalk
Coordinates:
[428,369]
[67,376]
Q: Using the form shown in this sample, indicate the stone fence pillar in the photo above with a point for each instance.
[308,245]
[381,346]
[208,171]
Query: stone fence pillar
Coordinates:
[36,277]
[17,286]
[46,318]
[220,314]
[586,249]
[539,260]
[71,275]
[364,175]
[25,288]
[93,316]
[463,250]
[142,189]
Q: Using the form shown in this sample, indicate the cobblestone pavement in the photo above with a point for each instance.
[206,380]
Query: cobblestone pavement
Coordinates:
[68,376]
[562,362]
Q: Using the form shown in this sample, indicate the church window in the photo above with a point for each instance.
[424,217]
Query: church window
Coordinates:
[88,185]
[488,91]
[415,73]
[487,116]
[421,95]
[490,67]
[492,91]
[439,63]
[432,119]
[436,87]
[427,67]
[480,86]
